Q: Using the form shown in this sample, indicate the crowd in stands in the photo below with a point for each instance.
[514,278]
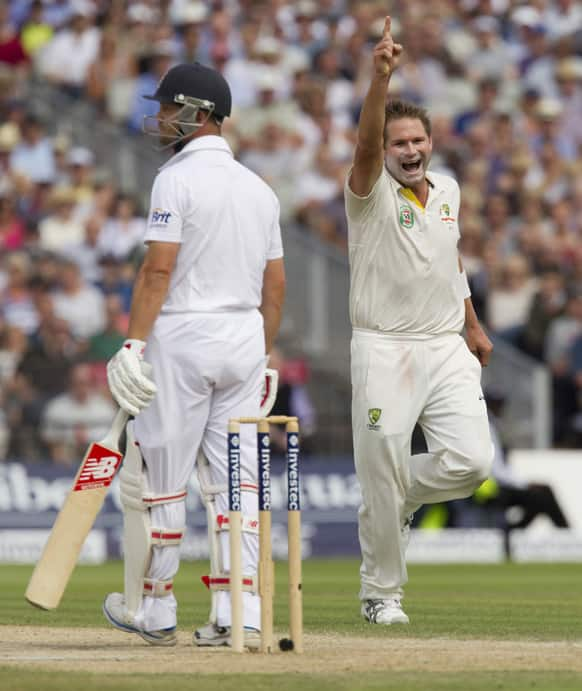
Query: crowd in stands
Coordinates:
[502,80]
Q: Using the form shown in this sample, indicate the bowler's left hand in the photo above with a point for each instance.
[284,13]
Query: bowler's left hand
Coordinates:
[479,344]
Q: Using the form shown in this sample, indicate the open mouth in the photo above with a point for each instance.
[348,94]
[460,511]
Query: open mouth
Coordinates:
[412,167]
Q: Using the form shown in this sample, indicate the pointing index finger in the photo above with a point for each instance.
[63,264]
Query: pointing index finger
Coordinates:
[387,25]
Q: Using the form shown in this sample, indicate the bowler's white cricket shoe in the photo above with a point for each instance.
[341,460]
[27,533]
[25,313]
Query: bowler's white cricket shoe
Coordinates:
[385,612]
[211,635]
[117,615]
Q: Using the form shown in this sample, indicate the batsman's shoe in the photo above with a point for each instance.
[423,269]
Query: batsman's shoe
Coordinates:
[211,635]
[116,614]
[384,611]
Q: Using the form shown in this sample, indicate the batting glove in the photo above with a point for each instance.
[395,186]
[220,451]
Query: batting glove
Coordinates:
[128,383]
[269,393]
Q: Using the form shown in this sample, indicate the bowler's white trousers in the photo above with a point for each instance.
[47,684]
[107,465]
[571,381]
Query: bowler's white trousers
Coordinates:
[208,368]
[397,381]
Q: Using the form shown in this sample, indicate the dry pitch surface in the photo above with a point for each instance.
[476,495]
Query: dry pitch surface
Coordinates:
[92,650]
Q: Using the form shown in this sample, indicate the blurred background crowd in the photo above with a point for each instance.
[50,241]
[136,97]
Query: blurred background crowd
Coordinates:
[502,80]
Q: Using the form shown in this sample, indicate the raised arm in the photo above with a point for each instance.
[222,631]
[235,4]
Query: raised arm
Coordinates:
[369,155]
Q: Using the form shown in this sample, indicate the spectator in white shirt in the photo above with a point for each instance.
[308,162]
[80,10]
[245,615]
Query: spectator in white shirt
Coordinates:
[508,304]
[123,233]
[16,302]
[66,59]
[563,17]
[33,157]
[270,109]
[62,228]
[319,185]
[569,80]
[87,254]
[82,306]
[80,162]
[340,91]
[73,419]
[492,58]
[240,70]
[190,19]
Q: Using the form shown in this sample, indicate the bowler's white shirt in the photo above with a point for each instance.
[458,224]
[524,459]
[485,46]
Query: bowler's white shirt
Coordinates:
[404,260]
[227,221]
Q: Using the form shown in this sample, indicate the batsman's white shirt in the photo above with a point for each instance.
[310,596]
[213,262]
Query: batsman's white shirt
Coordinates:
[227,220]
[409,364]
[207,346]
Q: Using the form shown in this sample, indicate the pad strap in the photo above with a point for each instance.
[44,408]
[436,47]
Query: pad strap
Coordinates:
[250,524]
[208,490]
[150,500]
[155,588]
[221,581]
[165,538]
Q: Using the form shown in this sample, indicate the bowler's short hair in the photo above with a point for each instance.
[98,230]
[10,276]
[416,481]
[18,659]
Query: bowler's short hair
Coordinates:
[398,110]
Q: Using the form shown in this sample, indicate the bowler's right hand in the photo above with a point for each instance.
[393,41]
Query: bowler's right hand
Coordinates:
[386,53]
[127,376]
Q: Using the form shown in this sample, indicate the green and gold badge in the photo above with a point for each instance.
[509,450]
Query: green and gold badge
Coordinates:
[406,217]
[374,415]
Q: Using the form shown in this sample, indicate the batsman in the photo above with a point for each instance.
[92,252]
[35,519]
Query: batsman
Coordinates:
[409,302]
[205,312]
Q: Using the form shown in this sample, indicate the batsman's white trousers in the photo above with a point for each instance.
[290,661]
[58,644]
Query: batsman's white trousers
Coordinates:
[396,382]
[208,368]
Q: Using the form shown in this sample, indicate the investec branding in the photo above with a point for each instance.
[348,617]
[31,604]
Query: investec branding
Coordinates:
[23,493]
[264,472]
[330,488]
[25,546]
[234,499]
[293,501]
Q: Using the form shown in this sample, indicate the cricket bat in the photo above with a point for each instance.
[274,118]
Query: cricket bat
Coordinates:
[76,518]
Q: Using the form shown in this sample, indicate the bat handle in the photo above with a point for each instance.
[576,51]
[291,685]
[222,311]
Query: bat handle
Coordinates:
[119,422]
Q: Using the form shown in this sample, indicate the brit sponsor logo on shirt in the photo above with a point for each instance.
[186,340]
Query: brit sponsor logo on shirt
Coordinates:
[160,217]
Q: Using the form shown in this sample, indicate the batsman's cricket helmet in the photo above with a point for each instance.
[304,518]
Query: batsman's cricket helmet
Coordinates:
[195,81]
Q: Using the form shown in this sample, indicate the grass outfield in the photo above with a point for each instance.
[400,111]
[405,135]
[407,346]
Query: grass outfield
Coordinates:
[521,603]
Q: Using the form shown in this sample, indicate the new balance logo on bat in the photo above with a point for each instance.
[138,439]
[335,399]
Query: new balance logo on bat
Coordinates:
[97,471]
